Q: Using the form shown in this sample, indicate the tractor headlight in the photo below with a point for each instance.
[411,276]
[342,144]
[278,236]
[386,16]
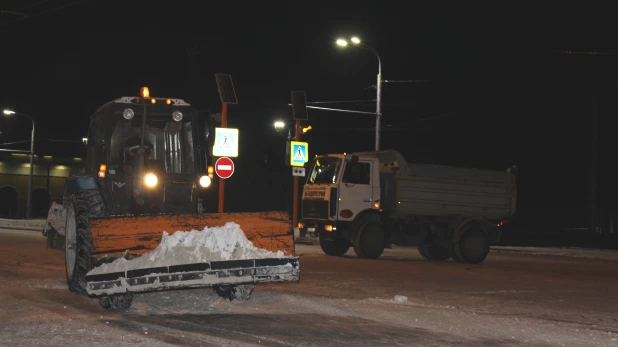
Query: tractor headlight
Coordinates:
[128,113]
[205,181]
[177,116]
[151,180]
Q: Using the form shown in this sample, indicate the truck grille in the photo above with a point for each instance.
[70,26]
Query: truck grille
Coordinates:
[315,209]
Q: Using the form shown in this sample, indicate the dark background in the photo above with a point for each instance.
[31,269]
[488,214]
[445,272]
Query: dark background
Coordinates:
[503,85]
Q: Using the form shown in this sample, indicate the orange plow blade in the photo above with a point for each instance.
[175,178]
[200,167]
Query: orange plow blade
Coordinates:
[135,235]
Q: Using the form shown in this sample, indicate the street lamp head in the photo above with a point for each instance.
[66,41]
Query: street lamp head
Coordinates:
[279,125]
[355,40]
[8,112]
[342,42]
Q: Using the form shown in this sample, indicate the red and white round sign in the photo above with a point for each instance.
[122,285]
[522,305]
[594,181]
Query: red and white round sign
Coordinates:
[224,167]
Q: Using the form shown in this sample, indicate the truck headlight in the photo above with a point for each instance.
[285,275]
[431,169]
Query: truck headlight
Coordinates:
[151,180]
[205,181]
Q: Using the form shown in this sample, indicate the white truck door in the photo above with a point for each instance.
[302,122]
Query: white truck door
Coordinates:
[356,191]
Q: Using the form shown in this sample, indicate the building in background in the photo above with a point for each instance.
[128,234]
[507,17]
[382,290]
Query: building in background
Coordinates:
[49,176]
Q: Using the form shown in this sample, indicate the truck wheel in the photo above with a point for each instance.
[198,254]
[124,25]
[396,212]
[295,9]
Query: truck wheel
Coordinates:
[430,251]
[336,247]
[369,239]
[116,302]
[238,292]
[472,246]
[78,240]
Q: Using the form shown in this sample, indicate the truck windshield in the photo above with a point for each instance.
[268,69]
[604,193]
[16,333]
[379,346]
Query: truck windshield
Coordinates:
[324,170]
[169,144]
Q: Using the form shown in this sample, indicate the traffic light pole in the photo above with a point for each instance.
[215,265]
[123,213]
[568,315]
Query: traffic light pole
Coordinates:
[296,182]
[222,181]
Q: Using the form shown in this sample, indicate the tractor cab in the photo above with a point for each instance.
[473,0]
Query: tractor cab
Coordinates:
[149,154]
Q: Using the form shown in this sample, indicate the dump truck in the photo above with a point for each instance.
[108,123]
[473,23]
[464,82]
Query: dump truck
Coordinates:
[146,173]
[361,200]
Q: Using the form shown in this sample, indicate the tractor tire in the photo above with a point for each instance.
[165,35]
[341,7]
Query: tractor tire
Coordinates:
[239,292]
[472,247]
[432,252]
[369,238]
[78,240]
[116,302]
[336,247]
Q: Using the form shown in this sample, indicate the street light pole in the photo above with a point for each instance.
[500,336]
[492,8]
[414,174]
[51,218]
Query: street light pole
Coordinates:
[29,202]
[378,102]
[356,41]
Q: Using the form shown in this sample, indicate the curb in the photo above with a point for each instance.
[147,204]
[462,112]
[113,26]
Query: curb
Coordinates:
[37,225]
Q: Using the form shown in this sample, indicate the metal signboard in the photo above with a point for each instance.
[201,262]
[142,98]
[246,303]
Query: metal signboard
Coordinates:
[298,171]
[299,153]
[224,167]
[226,143]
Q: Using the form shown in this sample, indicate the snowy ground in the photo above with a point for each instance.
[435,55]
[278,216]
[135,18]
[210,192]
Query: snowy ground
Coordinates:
[514,299]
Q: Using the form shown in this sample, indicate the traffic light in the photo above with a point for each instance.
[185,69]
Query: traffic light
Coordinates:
[299,106]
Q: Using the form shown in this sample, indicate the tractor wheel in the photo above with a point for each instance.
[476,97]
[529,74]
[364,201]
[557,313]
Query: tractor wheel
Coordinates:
[472,247]
[431,251]
[237,292]
[369,238]
[78,240]
[336,247]
[116,302]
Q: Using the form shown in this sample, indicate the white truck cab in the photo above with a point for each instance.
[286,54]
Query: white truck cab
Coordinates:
[340,190]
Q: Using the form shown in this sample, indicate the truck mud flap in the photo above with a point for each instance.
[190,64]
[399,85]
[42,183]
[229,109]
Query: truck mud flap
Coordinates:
[215,273]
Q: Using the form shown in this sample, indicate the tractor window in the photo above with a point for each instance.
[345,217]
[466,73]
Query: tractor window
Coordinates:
[178,148]
[168,143]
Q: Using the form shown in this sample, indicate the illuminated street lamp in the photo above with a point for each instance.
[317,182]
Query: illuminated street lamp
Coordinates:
[29,203]
[279,125]
[357,42]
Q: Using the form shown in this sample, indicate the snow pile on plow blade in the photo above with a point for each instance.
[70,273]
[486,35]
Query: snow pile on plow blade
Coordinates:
[254,250]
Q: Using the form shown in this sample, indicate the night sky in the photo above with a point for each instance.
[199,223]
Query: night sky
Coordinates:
[498,88]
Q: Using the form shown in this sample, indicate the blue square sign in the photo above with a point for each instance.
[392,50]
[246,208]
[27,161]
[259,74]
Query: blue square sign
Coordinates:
[299,153]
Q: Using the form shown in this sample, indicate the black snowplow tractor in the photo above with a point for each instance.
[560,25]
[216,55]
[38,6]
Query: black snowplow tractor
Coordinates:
[146,172]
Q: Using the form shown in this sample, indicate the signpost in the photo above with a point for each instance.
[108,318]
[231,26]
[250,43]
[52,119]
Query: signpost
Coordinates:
[224,167]
[299,112]
[227,93]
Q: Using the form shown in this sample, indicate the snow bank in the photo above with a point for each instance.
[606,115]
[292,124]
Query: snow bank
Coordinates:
[400,298]
[196,246]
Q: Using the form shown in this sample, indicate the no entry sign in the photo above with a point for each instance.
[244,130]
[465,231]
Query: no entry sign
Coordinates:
[224,167]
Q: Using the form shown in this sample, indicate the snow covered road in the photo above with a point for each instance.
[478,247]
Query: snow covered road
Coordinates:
[513,299]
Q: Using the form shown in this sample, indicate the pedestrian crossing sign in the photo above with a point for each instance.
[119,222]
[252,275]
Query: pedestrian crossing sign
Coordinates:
[226,143]
[299,153]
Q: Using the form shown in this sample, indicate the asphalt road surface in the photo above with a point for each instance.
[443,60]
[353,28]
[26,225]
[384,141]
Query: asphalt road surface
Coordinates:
[512,299]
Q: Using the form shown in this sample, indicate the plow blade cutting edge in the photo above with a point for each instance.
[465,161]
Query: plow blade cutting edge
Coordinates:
[215,273]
